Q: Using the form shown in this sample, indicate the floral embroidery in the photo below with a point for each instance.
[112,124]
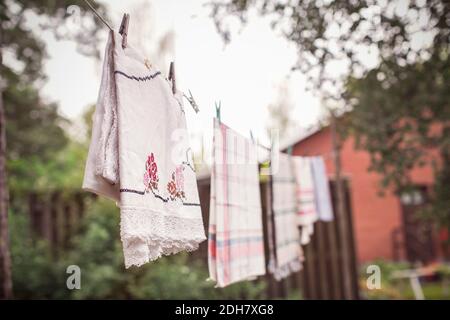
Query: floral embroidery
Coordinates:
[179,177]
[172,188]
[175,187]
[151,178]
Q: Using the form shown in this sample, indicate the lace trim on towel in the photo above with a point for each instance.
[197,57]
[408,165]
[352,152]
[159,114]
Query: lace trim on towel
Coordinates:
[285,270]
[147,235]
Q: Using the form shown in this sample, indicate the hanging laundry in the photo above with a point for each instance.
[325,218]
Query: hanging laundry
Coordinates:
[306,204]
[235,240]
[321,189]
[139,156]
[288,255]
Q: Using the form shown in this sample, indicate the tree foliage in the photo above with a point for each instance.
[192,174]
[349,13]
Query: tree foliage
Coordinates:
[21,21]
[35,137]
[97,250]
[327,32]
[280,114]
[394,76]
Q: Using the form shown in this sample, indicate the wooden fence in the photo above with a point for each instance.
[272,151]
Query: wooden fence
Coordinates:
[56,217]
[322,274]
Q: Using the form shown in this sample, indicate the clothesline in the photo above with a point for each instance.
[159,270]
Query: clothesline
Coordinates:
[98,14]
[190,98]
[123,30]
[298,184]
[157,192]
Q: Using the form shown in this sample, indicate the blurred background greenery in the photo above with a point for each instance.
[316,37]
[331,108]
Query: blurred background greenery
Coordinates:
[97,250]
[45,161]
[434,286]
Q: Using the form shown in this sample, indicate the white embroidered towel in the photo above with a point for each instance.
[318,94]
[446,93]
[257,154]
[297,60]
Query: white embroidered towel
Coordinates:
[235,239]
[321,189]
[140,157]
[307,211]
[288,252]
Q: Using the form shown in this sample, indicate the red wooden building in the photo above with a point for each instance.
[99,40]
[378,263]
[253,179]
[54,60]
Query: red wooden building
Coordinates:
[383,226]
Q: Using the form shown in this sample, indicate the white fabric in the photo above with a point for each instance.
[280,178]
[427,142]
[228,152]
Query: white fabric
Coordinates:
[307,211]
[321,189]
[288,252]
[140,157]
[106,103]
[235,239]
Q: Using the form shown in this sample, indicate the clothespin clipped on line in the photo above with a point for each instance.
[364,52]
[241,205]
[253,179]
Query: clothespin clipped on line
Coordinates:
[251,136]
[172,77]
[123,29]
[289,150]
[192,101]
[218,106]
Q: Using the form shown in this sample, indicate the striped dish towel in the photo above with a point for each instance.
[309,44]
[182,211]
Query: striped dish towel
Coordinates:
[288,254]
[235,240]
[322,189]
[306,203]
[140,157]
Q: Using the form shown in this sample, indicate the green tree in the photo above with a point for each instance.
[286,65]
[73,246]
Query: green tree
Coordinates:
[33,127]
[36,274]
[97,250]
[400,103]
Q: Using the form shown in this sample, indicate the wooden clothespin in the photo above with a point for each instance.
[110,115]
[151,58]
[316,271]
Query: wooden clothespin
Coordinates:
[218,106]
[172,77]
[123,30]
[192,101]
[289,150]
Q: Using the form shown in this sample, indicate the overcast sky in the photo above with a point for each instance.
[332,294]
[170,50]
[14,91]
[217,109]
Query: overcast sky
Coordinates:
[244,75]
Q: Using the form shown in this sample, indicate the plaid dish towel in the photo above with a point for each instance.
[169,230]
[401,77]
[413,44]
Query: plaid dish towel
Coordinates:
[321,189]
[288,252]
[140,157]
[307,211]
[235,240]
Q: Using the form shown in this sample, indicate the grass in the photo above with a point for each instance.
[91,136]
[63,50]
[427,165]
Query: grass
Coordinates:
[431,291]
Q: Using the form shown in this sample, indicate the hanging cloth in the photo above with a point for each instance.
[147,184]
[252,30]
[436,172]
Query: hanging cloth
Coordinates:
[288,254]
[235,239]
[306,203]
[321,189]
[140,157]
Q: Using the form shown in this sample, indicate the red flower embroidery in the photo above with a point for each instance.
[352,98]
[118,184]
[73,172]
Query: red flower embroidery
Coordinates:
[176,185]
[151,173]
[172,188]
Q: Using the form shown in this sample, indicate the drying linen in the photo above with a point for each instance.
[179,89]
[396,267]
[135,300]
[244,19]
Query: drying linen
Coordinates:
[235,241]
[139,156]
[307,212]
[288,252]
[321,189]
